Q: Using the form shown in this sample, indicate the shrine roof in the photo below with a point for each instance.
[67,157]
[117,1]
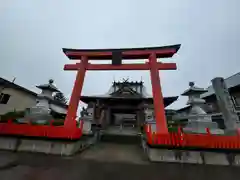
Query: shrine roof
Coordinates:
[126,83]
[124,92]
[48,86]
[87,99]
[127,53]
[193,90]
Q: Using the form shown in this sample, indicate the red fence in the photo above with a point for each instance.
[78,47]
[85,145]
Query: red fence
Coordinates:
[47,131]
[180,139]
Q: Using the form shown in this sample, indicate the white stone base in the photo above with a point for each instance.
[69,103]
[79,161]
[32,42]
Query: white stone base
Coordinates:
[237,160]
[162,155]
[7,143]
[215,158]
[156,155]
[202,131]
[43,146]
[193,157]
[48,147]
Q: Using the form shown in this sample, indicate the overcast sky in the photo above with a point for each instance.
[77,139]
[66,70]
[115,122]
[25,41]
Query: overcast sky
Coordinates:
[32,34]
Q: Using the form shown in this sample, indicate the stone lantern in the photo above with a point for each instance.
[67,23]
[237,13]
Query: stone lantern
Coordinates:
[198,119]
[40,113]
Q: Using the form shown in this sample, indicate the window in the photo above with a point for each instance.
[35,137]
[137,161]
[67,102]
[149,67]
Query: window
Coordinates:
[4,98]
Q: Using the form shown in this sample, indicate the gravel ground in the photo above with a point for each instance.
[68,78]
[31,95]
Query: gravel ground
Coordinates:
[103,162]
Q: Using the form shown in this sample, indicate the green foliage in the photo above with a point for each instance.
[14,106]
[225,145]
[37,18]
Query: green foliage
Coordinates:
[12,115]
[172,129]
[174,124]
[58,122]
[59,96]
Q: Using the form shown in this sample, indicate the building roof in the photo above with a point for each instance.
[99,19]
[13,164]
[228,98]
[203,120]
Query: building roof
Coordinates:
[231,82]
[8,84]
[193,90]
[127,53]
[184,108]
[48,86]
[88,99]
[134,95]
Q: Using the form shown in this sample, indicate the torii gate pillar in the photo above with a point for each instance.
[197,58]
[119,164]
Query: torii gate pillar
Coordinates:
[116,55]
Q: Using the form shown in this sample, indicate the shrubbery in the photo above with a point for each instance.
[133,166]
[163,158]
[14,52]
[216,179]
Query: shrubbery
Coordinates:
[12,115]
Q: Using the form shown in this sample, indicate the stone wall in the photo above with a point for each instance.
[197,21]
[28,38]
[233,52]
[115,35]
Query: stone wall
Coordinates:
[192,157]
[44,146]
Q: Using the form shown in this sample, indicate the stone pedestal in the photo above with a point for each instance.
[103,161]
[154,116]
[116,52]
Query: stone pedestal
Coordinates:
[87,125]
[149,119]
[200,126]
[198,123]
[198,119]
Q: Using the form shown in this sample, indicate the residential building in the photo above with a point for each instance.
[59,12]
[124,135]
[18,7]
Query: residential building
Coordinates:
[15,97]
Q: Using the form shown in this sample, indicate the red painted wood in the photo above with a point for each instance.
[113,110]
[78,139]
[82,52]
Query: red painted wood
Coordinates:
[130,54]
[106,67]
[209,141]
[40,131]
[76,93]
[161,123]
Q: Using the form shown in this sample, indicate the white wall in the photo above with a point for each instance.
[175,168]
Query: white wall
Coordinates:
[46,93]
[43,103]
[19,100]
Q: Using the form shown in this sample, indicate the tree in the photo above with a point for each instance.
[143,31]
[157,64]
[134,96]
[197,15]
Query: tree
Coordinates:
[59,96]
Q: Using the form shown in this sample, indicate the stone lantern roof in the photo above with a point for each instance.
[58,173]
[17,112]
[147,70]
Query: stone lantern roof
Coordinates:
[193,90]
[49,86]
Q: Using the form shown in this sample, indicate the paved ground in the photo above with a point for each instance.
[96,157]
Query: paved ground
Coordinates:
[130,131]
[108,152]
[104,162]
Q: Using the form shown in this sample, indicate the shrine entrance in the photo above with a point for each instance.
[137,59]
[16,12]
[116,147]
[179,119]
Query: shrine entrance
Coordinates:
[116,56]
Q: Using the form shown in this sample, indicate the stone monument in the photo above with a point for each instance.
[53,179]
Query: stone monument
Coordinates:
[198,119]
[87,118]
[149,117]
[231,119]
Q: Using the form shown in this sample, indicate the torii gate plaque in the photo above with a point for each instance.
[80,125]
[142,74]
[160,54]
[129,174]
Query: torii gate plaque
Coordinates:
[117,55]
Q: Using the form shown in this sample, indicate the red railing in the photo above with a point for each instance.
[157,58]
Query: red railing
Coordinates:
[47,131]
[180,139]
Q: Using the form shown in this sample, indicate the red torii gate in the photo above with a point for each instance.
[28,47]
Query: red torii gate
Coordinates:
[116,55]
